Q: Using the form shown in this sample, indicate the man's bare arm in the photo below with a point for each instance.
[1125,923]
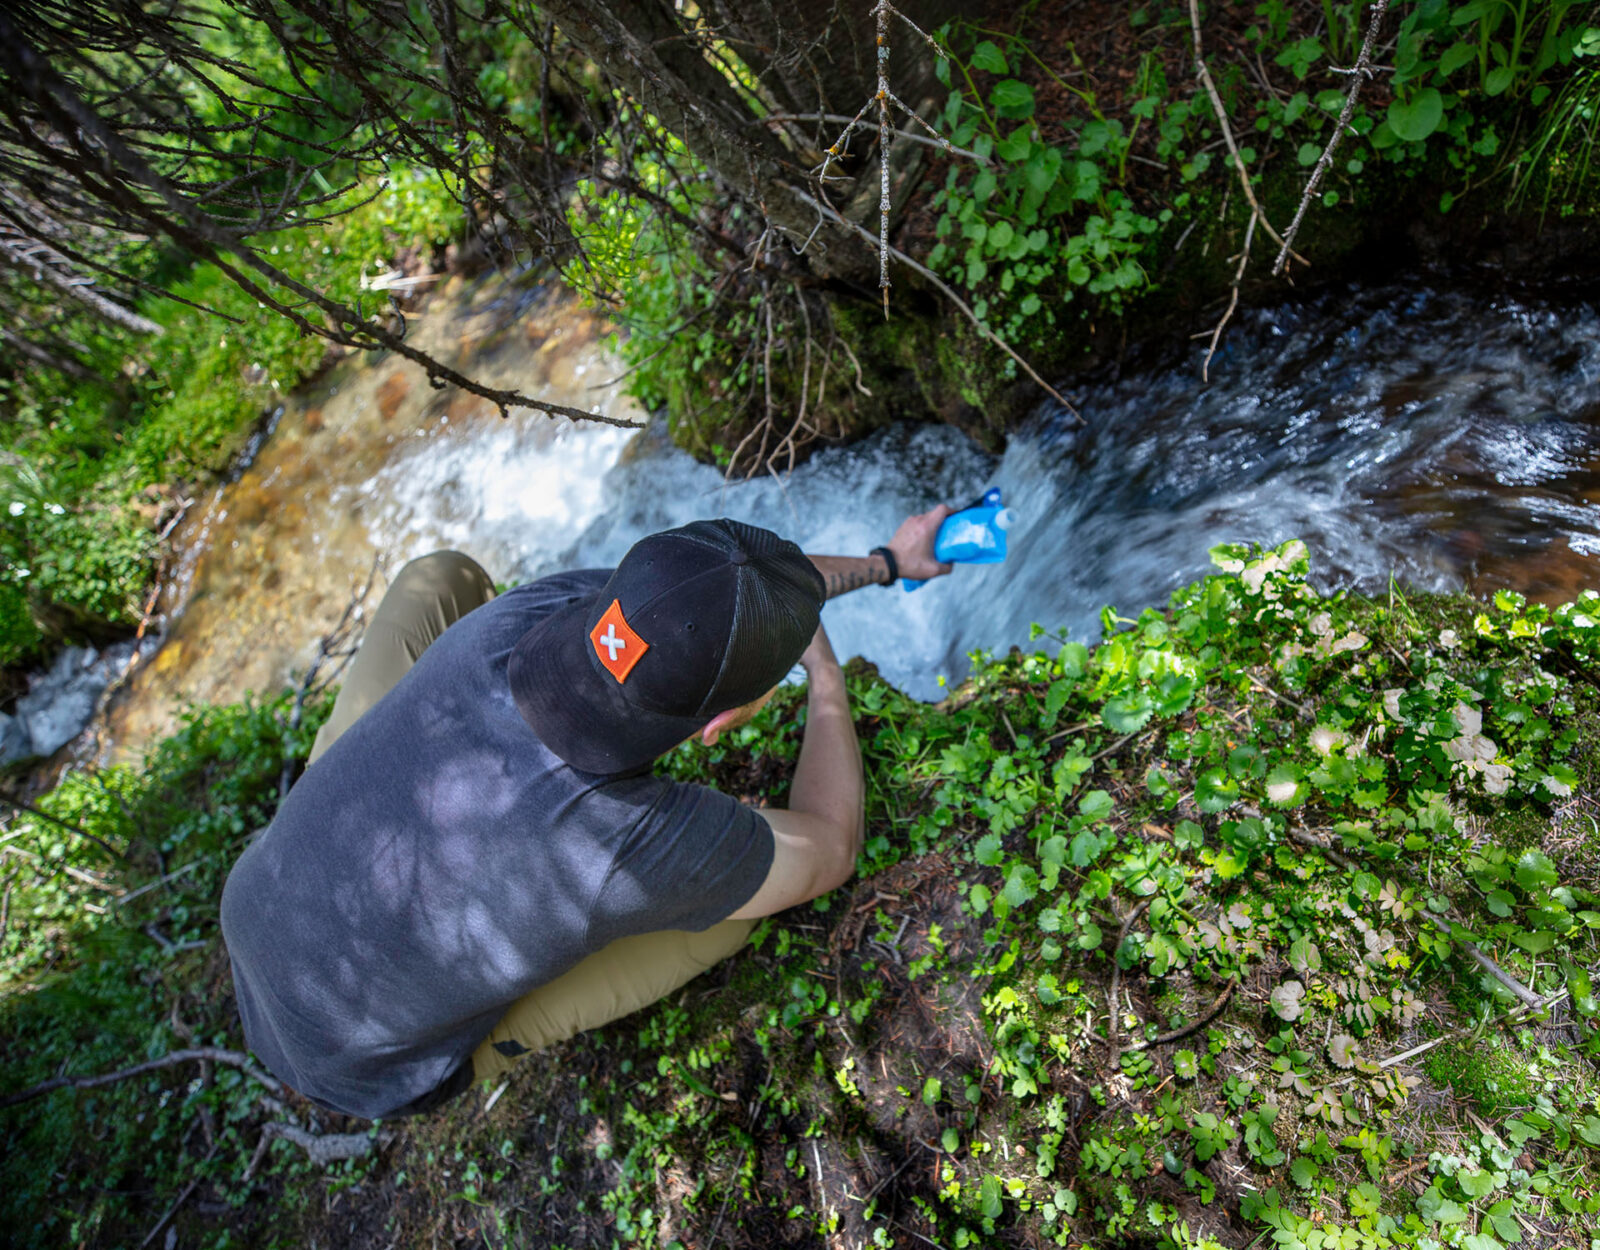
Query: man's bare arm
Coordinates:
[912,546]
[846,573]
[817,839]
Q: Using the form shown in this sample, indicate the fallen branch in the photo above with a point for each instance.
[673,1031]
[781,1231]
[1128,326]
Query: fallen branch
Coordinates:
[1179,1034]
[1483,961]
[1513,1017]
[323,1149]
[124,899]
[1362,70]
[196,1054]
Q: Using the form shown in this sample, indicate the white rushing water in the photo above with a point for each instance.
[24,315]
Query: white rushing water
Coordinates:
[1432,436]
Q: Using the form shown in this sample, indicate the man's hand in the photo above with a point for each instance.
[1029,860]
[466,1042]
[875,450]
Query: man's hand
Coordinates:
[912,544]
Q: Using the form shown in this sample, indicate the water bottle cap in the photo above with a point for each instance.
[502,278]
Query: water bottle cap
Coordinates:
[1004,519]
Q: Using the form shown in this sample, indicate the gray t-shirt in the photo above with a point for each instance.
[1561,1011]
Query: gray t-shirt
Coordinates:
[438,862]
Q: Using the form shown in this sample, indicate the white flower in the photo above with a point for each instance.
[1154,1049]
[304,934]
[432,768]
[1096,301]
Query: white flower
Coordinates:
[17,507]
[1447,638]
[54,509]
[1321,624]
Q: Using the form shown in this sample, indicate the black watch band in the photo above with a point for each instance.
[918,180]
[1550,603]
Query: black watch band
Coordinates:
[888,558]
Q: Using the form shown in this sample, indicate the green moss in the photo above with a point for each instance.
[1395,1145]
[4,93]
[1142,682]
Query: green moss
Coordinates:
[1492,1073]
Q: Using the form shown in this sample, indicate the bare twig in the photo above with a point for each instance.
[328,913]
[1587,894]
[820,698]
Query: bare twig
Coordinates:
[1521,991]
[1233,298]
[1518,1014]
[338,643]
[883,152]
[1116,982]
[71,828]
[159,882]
[179,1200]
[195,1054]
[1180,1033]
[1363,70]
[1204,75]
[833,215]
[932,139]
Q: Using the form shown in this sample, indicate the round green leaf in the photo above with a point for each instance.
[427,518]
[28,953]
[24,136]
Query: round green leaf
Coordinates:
[1536,871]
[1014,100]
[1127,713]
[1417,118]
[987,57]
[1499,79]
[1096,804]
[1287,1000]
[1455,56]
[1215,790]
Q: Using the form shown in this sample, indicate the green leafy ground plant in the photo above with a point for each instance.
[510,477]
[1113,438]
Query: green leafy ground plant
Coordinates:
[1271,919]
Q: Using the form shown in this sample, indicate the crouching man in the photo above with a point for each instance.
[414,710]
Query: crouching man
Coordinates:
[478,862]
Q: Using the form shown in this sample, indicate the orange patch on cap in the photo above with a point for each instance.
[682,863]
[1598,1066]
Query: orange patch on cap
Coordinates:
[618,647]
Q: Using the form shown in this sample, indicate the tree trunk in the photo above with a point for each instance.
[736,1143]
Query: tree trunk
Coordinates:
[646,47]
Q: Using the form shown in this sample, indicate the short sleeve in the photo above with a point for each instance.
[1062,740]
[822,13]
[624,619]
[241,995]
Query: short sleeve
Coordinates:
[694,858]
[547,594]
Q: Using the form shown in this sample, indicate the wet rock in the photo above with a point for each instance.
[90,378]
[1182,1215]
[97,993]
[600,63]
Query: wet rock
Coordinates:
[13,739]
[61,700]
[392,393]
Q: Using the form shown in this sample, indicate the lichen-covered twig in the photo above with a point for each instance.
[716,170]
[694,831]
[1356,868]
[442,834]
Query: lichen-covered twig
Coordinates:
[1361,71]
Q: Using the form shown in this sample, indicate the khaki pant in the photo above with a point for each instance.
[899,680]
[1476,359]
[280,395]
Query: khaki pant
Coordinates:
[422,602]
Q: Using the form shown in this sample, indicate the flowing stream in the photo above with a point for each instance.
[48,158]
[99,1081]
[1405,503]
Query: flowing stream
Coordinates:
[1438,435]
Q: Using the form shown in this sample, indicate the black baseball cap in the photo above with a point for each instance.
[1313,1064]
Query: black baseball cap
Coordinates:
[694,621]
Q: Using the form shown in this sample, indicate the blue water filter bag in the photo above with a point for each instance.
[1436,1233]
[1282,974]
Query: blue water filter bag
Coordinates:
[975,535]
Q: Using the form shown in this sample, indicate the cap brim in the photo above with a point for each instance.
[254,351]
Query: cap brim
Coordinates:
[577,708]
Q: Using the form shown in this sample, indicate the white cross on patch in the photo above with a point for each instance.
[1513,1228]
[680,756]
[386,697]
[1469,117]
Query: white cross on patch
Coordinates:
[611,642]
